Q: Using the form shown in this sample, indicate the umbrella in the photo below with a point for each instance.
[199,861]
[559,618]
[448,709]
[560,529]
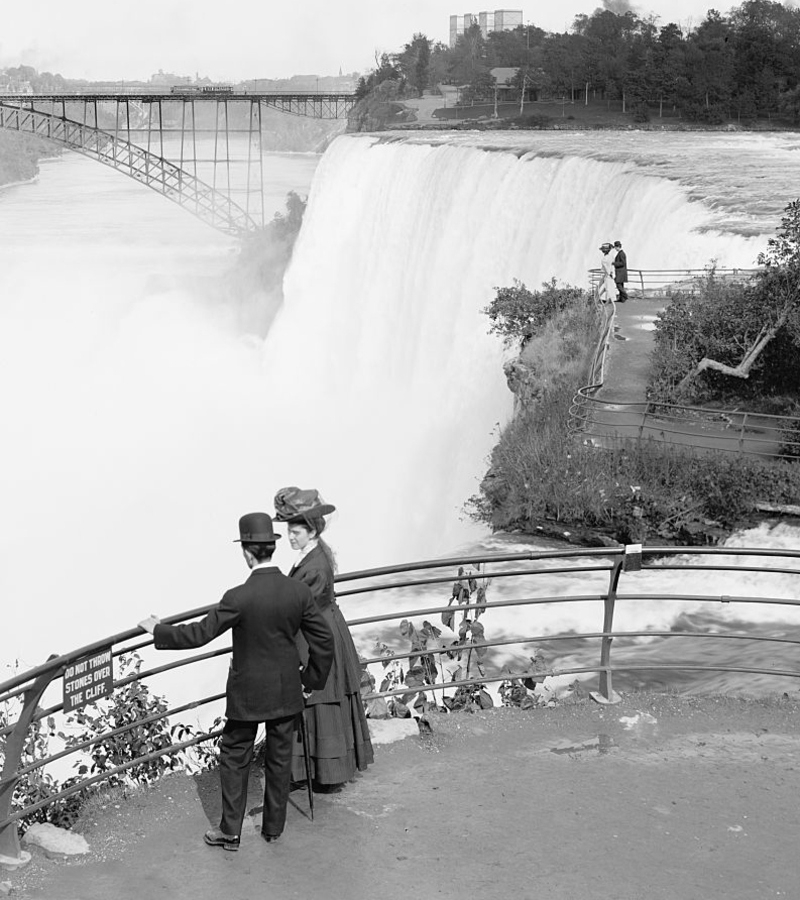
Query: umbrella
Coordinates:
[307,760]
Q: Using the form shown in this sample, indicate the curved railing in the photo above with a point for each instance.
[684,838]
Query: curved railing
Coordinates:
[691,428]
[607,422]
[473,643]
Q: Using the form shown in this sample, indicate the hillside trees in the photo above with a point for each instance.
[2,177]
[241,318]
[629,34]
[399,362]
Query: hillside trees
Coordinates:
[414,63]
[564,64]
[468,59]
[766,48]
[743,64]
[386,70]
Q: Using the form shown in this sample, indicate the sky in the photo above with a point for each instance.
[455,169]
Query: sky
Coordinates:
[242,39]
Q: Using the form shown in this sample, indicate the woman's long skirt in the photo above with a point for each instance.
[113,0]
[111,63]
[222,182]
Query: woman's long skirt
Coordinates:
[338,733]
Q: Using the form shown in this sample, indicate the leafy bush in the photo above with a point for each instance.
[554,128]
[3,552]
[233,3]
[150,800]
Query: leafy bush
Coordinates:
[752,328]
[716,320]
[128,705]
[438,660]
[38,785]
[517,314]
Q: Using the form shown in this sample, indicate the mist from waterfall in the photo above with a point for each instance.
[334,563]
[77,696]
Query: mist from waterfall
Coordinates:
[142,418]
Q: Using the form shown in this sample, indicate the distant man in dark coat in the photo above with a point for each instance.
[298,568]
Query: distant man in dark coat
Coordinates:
[265,683]
[620,272]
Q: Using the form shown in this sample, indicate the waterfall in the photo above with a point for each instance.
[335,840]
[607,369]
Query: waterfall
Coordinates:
[394,381]
[147,421]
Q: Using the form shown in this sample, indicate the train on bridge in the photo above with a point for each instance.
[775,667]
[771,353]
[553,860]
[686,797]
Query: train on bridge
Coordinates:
[201,89]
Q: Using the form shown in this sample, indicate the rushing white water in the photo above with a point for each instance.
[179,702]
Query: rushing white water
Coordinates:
[141,418]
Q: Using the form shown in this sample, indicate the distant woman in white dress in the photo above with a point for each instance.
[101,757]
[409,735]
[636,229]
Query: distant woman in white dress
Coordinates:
[608,287]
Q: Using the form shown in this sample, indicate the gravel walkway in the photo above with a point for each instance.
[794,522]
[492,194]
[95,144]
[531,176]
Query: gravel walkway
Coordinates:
[658,798]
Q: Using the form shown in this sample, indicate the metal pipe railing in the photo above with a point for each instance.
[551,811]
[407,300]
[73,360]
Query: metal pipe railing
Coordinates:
[655,283]
[616,562]
[781,433]
[728,431]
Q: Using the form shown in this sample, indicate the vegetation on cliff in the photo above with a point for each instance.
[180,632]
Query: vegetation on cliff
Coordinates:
[543,478]
[379,109]
[20,155]
[736,343]
[263,259]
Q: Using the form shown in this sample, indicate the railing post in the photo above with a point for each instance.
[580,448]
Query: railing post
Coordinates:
[741,435]
[644,420]
[605,693]
[10,852]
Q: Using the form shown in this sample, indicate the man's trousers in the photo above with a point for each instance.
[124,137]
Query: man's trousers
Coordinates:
[235,757]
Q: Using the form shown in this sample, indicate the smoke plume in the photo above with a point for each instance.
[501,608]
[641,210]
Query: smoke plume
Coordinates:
[618,7]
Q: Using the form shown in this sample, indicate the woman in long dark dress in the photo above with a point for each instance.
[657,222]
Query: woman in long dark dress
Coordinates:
[338,734]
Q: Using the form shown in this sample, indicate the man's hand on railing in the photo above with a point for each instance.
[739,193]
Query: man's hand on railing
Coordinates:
[149,624]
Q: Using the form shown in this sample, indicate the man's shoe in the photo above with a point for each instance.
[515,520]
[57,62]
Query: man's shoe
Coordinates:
[217,838]
[269,838]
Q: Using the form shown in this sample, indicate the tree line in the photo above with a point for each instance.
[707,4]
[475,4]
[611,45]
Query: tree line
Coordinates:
[743,65]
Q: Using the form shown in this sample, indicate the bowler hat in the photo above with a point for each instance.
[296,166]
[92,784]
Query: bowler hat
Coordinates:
[294,505]
[256,528]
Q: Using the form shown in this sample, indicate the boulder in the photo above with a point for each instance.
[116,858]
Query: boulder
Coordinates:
[55,842]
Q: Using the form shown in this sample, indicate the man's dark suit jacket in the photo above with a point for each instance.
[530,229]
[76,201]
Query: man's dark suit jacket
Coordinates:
[265,614]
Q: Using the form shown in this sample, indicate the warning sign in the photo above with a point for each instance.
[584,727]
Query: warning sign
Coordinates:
[88,679]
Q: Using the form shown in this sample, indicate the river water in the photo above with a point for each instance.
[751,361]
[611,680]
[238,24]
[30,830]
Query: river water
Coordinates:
[141,416]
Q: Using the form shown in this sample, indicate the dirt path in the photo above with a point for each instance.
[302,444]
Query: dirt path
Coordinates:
[628,360]
[657,798]
[424,107]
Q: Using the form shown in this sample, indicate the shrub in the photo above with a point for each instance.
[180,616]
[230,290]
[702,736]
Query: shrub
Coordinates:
[129,704]
[517,314]
[718,319]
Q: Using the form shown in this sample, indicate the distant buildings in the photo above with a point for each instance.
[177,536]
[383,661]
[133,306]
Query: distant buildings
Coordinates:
[10,85]
[499,20]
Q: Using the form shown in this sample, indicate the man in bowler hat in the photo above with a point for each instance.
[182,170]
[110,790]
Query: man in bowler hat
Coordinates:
[265,683]
[620,271]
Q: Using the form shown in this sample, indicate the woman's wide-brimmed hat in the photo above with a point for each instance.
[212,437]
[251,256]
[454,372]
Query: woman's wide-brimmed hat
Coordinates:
[256,528]
[295,505]
[606,246]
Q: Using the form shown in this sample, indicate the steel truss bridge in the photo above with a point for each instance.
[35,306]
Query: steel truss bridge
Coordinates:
[201,149]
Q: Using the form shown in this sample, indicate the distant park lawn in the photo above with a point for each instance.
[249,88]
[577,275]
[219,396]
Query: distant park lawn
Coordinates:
[595,113]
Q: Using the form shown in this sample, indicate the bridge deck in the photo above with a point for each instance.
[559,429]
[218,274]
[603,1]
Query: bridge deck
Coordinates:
[139,94]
